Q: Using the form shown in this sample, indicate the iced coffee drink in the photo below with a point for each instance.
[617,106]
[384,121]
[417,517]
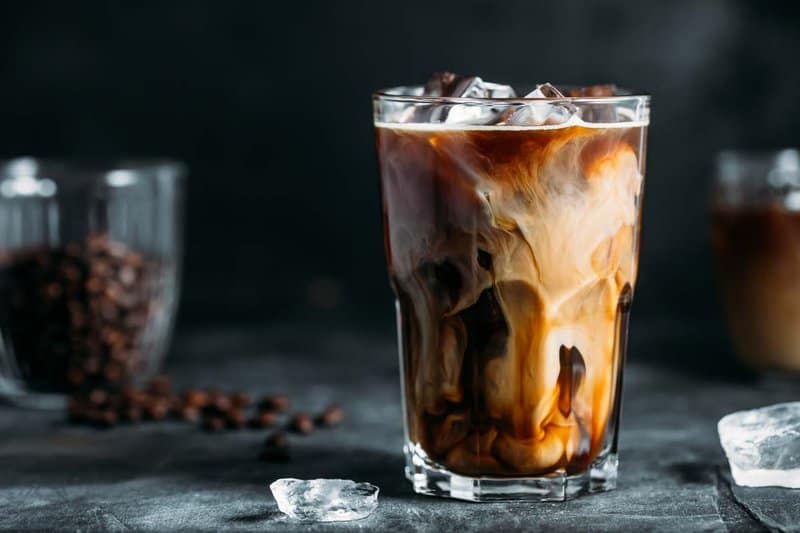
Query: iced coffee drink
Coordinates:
[511,231]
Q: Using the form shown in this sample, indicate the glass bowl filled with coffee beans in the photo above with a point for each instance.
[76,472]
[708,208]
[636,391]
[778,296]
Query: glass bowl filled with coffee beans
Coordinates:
[90,258]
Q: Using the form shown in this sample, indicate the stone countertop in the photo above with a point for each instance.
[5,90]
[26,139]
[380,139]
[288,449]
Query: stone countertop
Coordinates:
[167,476]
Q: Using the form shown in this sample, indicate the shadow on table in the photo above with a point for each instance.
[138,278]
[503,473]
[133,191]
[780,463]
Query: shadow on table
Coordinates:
[239,467]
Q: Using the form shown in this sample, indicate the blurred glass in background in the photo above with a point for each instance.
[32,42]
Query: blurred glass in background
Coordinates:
[755,209]
[89,268]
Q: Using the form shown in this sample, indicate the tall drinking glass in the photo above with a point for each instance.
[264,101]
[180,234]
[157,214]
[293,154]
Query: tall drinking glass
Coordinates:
[512,250]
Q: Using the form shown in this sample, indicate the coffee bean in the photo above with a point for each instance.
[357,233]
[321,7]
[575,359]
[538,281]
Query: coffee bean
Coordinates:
[301,423]
[240,400]
[75,377]
[160,385]
[97,242]
[276,448]
[235,419]
[218,401]
[127,275]
[108,418]
[113,372]
[70,272]
[133,260]
[331,416]
[214,423]
[101,268]
[156,410]
[76,410]
[278,439]
[195,398]
[53,291]
[274,403]
[78,320]
[98,397]
[189,413]
[117,250]
[131,413]
[264,419]
[132,396]
[92,365]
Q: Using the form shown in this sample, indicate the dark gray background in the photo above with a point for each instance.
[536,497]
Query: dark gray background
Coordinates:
[269,104]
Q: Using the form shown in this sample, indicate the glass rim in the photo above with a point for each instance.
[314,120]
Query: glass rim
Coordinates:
[756,154]
[64,169]
[395,94]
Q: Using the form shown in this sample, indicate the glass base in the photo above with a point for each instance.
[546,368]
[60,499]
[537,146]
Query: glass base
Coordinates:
[431,479]
[12,394]
[34,400]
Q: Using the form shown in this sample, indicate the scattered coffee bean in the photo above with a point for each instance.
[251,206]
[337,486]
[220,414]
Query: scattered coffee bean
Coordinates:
[331,416]
[218,402]
[160,385]
[235,419]
[215,410]
[214,423]
[274,403]
[176,405]
[132,396]
[132,414]
[108,418]
[240,400]
[301,423]
[127,275]
[278,439]
[189,413]
[98,397]
[156,410]
[76,411]
[75,377]
[195,398]
[264,419]
[275,448]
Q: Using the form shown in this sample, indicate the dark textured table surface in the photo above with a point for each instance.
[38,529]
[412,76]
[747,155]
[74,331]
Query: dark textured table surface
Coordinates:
[673,475]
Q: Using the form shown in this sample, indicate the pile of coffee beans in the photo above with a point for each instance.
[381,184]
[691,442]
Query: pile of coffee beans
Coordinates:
[213,410]
[75,315]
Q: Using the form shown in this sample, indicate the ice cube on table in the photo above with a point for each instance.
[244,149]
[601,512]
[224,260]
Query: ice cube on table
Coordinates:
[763,445]
[325,500]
